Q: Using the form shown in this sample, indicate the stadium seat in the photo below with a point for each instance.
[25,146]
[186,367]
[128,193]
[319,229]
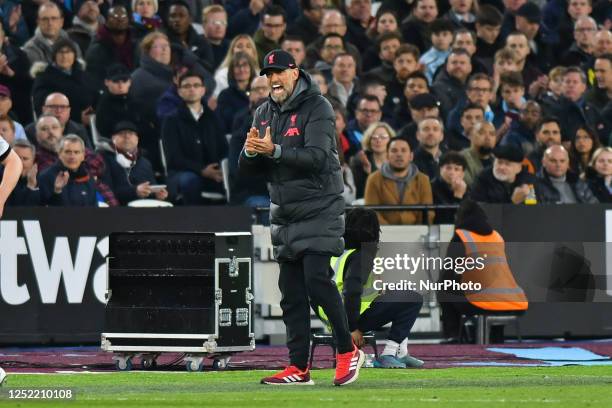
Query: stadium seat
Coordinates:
[327,339]
[147,202]
[484,322]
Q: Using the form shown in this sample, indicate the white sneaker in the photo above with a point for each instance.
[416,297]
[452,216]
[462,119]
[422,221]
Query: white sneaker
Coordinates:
[2,376]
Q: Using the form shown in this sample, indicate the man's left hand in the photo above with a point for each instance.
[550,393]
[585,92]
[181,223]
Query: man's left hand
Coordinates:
[261,146]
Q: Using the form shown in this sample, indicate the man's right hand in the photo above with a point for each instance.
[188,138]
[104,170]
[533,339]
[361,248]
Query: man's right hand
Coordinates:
[60,181]
[143,190]
[31,175]
[520,194]
[213,172]
[253,133]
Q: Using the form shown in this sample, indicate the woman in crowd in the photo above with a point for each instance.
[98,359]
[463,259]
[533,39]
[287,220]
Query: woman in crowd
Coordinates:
[242,70]
[599,174]
[374,143]
[145,18]
[65,75]
[581,150]
[241,42]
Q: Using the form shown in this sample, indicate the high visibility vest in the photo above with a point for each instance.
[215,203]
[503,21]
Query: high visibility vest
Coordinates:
[368,295]
[499,292]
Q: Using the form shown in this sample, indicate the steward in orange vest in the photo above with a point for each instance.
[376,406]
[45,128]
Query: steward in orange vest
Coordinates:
[499,292]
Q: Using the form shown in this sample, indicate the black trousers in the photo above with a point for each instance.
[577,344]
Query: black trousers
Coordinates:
[301,282]
[399,308]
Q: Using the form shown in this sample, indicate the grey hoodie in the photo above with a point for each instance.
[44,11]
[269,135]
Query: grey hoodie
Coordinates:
[38,48]
[401,182]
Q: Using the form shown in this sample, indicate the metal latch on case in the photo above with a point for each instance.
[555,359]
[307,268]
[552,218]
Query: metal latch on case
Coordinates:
[233,267]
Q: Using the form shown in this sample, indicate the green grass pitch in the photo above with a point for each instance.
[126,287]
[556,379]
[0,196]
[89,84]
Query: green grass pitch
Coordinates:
[496,387]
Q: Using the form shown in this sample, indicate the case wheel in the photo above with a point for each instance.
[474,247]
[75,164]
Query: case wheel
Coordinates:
[220,363]
[148,362]
[123,363]
[193,364]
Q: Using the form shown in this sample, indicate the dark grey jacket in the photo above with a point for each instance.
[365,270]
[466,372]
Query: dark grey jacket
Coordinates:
[305,183]
[548,194]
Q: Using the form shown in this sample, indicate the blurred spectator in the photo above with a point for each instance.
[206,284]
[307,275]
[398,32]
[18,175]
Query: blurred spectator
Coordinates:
[306,26]
[405,63]
[242,71]
[26,192]
[450,187]
[441,39]
[6,104]
[387,45]
[15,75]
[556,184]
[239,43]
[505,61]
[214,21]
[384,22]
[49,21]
[458,139]
[245,15]
[488,40]
[522,131]
[12,19]
[194,144]
[415,29]
[359,17]
[181,33]
[344,74]
[466,39]
[85,24]
[320,79]
[375,140]
[332,44]
[421,106]
[348,180]
[67,183]
[399,182]
[370,84]
[519,43]
[549,99]
[416,84]
[273,25]
[573,111]
[601,94]
[247,189]
[450,85]
[7,130]
[528,22]
[117,104]
[145,18]
[580,53]
[506,181]
[430,133]
[510,9]
[113,44]
[599,174]
[581,150]
[127,172]
[602,44]
[548,133]
[58,105]
[562,25]
[367,112]
[478,156]
[294,46]
[462,13]
[513,99]
[65,75]
[48,135]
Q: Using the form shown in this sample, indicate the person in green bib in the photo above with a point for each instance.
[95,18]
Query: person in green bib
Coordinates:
[366,308]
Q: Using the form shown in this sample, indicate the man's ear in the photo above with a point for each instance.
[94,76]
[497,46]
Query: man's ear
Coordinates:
[295,74]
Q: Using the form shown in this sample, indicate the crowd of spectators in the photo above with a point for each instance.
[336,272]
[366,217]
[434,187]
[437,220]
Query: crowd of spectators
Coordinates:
[503,101]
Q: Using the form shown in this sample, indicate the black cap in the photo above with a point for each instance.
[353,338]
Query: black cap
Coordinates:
[125,125]
[117,72]
[422,101]
[530,11]
[277,59]
[509,152]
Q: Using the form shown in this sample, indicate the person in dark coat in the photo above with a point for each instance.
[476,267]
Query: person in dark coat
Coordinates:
[306,26]
[26,193]
[144,18]
[297,153]
[450,85]
[127,172]
[15,74]
[113,44]
[67,183]
[415,28]
[194,144]
[506,181]
[450,187]
[65,75]
[241,72]
[599,174]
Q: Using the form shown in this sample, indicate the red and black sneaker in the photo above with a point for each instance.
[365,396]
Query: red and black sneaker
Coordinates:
[289,376]
[348,365]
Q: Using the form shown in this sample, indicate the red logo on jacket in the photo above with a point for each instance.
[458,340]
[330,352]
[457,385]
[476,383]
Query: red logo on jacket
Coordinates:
[292,131]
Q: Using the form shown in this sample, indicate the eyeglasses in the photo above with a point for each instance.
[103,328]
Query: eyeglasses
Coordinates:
[57,107]
[242,65]
[268,25]
[585,30]
[51,127]
[334,47]
[160,47]
[49,19]
[192,86]
[480,90]
[380,137]
[219,22]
